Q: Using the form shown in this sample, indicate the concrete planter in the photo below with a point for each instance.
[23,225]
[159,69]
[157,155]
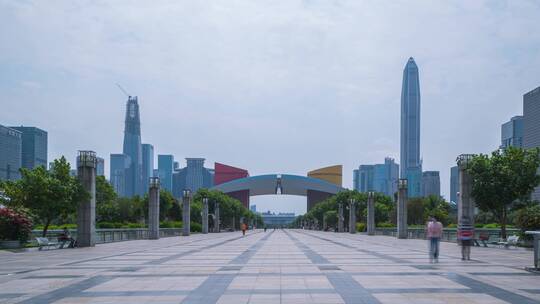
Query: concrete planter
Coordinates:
[10,244]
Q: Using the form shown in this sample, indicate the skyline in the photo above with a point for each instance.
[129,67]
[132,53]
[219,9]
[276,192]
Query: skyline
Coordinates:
[311,88]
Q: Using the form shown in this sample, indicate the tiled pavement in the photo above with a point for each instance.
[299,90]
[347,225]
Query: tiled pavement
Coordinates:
[291,266]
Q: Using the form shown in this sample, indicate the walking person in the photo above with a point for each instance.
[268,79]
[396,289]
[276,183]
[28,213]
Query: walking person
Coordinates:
[243,227]
[434,234]
[465,236]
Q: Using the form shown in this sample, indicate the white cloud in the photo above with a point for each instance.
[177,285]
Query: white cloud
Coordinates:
[282,86]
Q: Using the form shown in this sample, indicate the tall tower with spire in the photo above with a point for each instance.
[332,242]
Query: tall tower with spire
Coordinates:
[133,149]
[411,163]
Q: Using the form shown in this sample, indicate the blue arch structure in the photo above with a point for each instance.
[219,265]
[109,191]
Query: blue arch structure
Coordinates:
[314,189]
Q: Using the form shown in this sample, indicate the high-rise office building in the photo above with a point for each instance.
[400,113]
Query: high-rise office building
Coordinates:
[194,177]
[380,178]
[132,147]
[512,133]
[454,184]
[165,171]
[34,147]
[119,167]
[411,163]
[531,126]
[431,183]
[10,153]
[147,165]
[100,166]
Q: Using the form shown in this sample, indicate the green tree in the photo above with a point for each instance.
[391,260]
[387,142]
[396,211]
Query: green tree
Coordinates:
[504,179]
[415,211]
[331,218]
[106,205]
[48,195]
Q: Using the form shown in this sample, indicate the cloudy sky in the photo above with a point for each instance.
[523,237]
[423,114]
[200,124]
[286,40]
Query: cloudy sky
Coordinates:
[270,86]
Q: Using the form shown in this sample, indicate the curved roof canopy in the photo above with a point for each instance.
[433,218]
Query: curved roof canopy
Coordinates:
[278,184]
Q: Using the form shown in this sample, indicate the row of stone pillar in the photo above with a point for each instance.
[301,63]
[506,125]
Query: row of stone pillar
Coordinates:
[86,211]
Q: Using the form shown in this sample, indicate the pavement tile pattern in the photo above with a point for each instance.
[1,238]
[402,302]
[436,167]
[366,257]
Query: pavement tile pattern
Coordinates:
[282,266]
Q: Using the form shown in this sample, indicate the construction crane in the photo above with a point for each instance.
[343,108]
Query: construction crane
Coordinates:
[124,91]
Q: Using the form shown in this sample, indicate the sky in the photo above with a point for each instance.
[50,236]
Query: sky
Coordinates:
[269,86]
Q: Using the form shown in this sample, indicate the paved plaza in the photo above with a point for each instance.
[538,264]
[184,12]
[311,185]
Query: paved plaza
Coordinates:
[282,266]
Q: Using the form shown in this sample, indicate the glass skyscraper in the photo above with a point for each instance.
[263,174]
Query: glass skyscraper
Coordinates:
[10,153]
[531,126]
[431,183]
[380,178]
[147,165]
[454,183]
[512,133]
[34,147]
[133,148]
[165,171]
[194,177]
[411,164]
[100,166]
[119,167]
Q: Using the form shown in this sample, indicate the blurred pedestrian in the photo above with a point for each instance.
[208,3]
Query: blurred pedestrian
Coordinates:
[465,237]
[244,228]
[434,234]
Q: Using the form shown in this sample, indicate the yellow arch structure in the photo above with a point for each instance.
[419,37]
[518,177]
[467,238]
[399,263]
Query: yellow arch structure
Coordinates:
[332,174]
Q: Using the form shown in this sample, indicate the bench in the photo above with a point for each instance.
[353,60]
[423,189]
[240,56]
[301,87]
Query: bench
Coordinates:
[483,237]
[44,242]
[511,241]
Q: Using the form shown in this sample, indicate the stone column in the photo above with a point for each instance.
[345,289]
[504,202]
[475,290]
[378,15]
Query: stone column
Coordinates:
[86,211]
[204,215]
[340,218]
[153,208]
[402,232]
[371,213]
[466,203]
[217,220]
[186,218]
[352,216]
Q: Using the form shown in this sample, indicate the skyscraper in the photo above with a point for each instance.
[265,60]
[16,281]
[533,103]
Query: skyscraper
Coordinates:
[380,178]
[132,148]
[100,166]
[34,147]
[454,183]
[119,167]
[194,177]
[431,183]
[512,133]
[10,153]
[411,164]
[531,125]
[165,171]
[147,165]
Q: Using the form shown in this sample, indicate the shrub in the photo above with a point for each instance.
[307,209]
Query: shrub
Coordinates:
[528,218]
[195,227]
[385,225]
[14,225]
[106,225]
[491,226]
[453,225]
[134,225]
[170,224]
[360,227]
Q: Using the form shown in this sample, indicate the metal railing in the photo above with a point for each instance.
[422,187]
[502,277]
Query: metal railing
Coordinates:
[111,235]
[449,234]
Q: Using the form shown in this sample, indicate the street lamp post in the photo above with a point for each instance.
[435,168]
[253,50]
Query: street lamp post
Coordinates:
[371,213]
[402,231]
[352,216]
[186,220]
[205,215]
[340,217]
[153,208]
